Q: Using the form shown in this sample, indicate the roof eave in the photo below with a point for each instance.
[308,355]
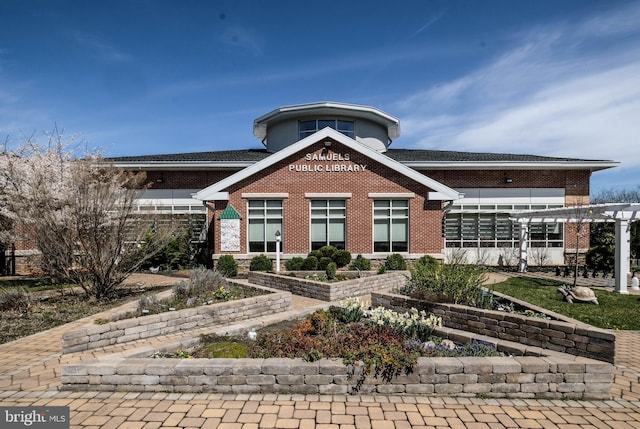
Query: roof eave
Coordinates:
[501,165]
[178,165]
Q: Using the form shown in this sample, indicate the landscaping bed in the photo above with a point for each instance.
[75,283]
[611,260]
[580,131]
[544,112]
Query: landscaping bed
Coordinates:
[123,328]
[536,373]
[328,291]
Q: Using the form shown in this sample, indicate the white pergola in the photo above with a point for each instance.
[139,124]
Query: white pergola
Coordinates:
[620,213]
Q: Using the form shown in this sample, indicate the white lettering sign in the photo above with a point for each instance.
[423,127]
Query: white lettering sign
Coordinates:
[327,167]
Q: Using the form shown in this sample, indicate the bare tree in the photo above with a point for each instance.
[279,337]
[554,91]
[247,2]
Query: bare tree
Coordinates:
[540,256]
[80,212]
[582,216]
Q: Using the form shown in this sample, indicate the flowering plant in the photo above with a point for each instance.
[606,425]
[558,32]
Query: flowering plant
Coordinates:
[353,309]
[413,322]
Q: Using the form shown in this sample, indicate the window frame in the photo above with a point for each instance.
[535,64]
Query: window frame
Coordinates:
[333,123]
[392,214]
[268,213]
[330,214]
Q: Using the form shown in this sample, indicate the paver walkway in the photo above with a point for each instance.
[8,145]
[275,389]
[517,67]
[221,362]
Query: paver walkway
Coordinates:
[30,372]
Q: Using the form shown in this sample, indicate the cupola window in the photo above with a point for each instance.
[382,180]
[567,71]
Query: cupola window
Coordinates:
[307,128]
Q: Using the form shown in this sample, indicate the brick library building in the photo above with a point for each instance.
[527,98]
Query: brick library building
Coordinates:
[327,175]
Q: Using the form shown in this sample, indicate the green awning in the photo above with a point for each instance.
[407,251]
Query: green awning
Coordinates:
[229,213]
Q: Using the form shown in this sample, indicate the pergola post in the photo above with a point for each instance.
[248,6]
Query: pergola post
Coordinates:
[524,243]
[623,239]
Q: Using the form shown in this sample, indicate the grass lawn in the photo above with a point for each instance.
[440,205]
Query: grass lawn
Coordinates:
[615,311]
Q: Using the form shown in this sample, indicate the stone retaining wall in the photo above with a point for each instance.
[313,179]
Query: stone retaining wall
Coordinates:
[568,336]
[518,377]
[133,329]
[326,291]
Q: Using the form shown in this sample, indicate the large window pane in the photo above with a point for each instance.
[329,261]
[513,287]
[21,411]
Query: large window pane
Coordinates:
[328,223]
[390,225]
[265,218]
[306,128]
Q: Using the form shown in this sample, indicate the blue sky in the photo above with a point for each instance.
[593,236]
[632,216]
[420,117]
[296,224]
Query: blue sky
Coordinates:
[134,77]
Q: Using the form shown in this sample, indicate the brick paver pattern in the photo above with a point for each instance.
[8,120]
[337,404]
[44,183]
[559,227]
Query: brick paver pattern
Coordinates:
[30,374]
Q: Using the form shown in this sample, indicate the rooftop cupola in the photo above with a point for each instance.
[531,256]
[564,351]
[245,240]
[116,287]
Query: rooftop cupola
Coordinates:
[287,125]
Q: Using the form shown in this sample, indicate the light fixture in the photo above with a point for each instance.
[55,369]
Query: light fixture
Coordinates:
[327,143]
[278,237]
[508,180]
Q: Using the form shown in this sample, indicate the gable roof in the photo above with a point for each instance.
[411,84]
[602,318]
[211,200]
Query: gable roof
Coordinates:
[217,190]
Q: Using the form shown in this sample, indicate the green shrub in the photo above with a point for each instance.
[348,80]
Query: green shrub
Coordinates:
[361,263]
[395,262]
[601,258]
[341,257]
[455,283]
[315,253]
[428,261]
[310,264]
[331,270]
[294,264]
[327,251]
[323,262]
[201,280]
[260,263]
[176,254]
[227,266]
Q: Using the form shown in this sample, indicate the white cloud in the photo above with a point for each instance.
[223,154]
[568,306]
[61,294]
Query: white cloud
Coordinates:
[570,89]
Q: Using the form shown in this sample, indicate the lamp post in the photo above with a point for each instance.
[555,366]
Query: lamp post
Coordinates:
[278,238]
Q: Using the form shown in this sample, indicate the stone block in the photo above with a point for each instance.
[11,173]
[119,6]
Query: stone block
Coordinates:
[463,378]
[571,367]
[103,367]
[161,367]
[289,379]
[504,365]
[190,367]
[247,366]
[534,387]
[545,378]
[232,379]
[261,379]
[434,378]
[331,366]
[505,388]
[202,380]
[76,341]
[571,387]
[520,378]
[126,324]
[574,378]
[419,389]
[132,366]
[477,388]
[333,389]
[532,364]
[424,366]
[276,366]
[144,379]
[299,367]
[390,389]
[448,365]
[448,389]
[74,369]
[97,329]
[318,379]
